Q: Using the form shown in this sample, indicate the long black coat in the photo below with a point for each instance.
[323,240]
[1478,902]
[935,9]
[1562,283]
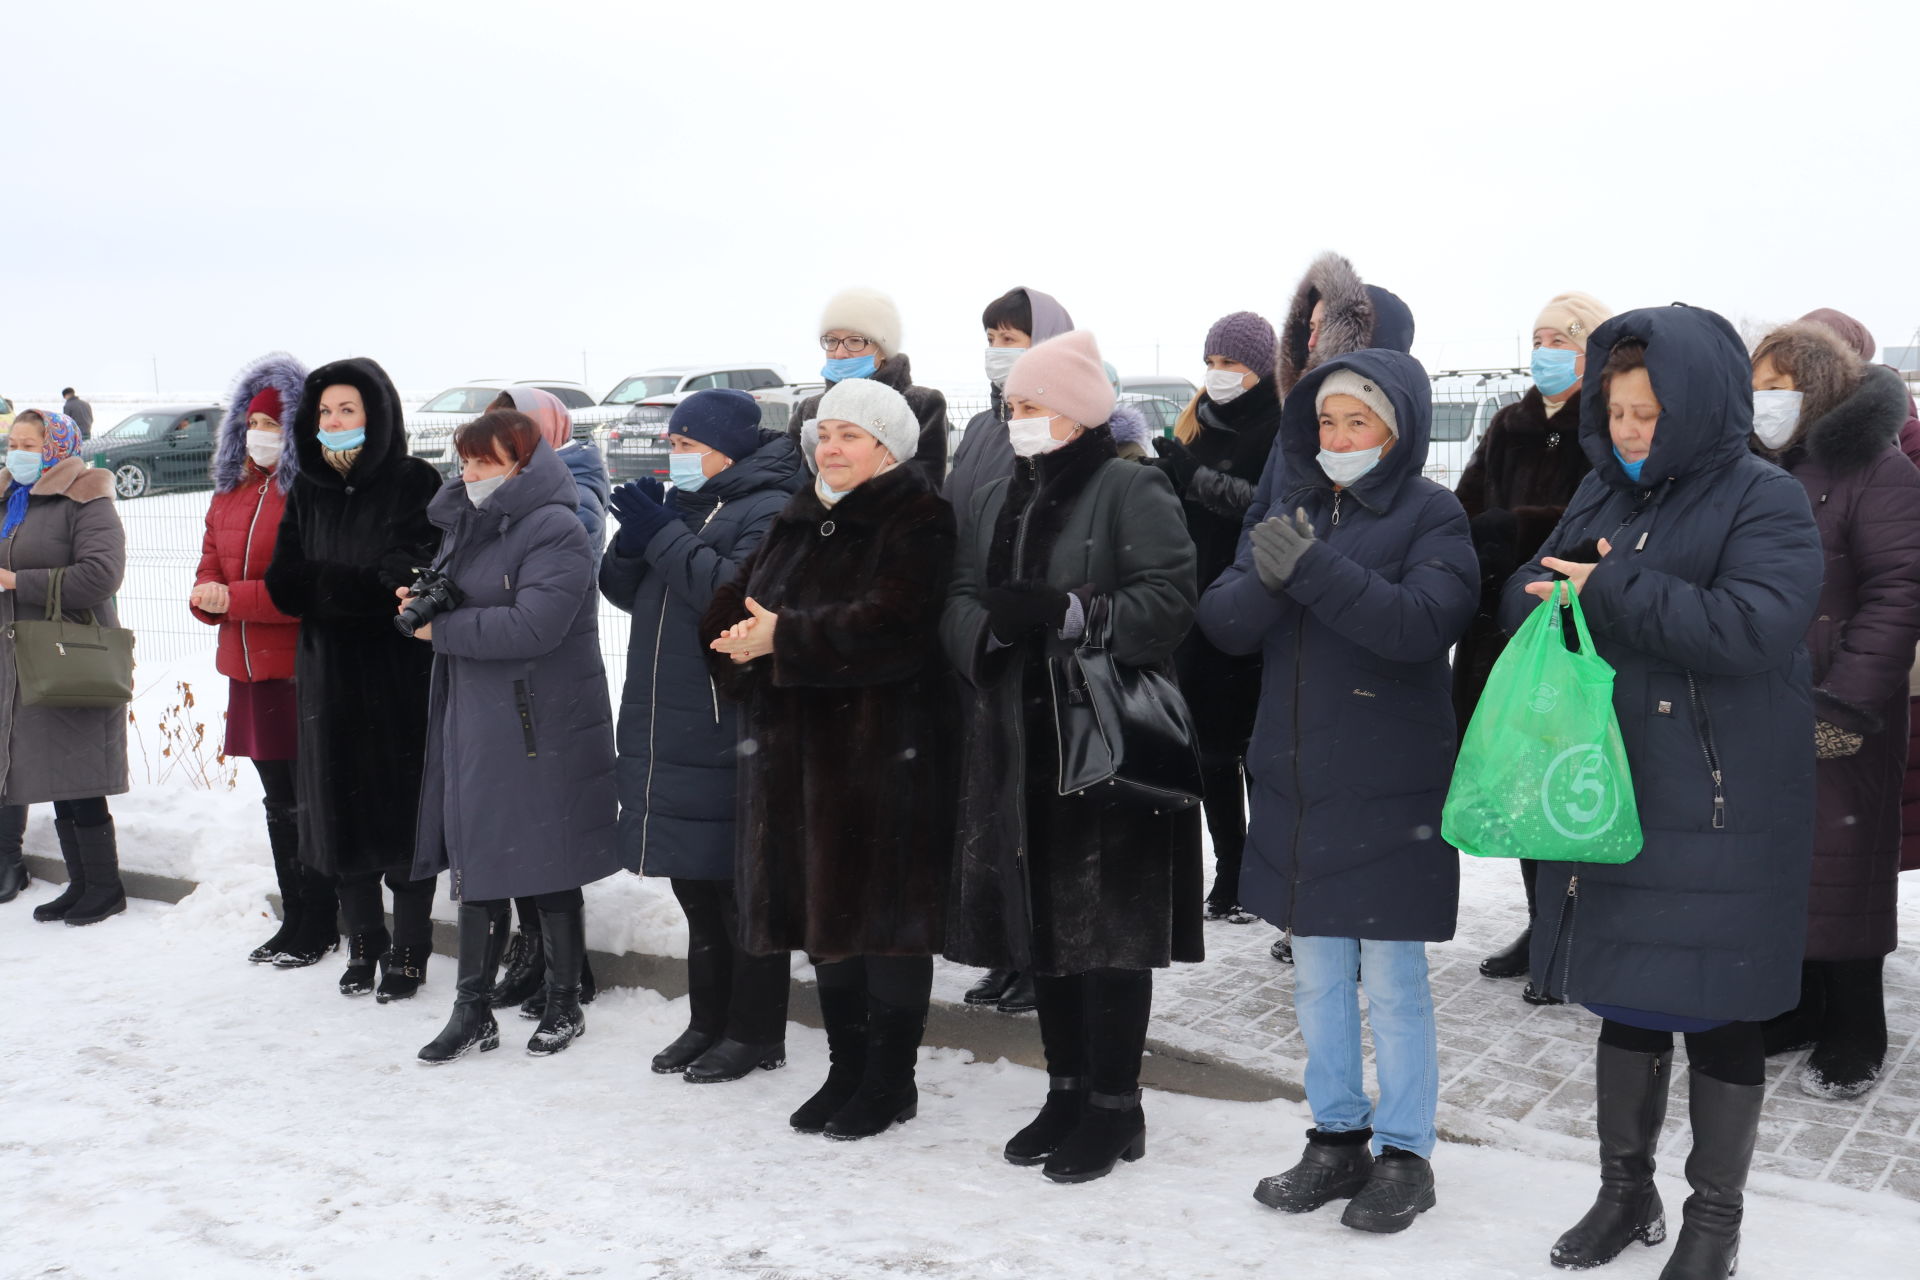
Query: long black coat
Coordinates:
[677,736]
[1353,748]
[518,797]
[1701,609]
[847,759]
[1065,884]
[1866,501]
[929,407]
[1514,490]
[345,544]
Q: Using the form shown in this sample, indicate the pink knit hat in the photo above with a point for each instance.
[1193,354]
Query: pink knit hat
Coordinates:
[1066,375]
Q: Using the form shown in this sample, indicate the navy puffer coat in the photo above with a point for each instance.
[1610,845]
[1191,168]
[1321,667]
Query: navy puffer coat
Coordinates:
[677,736]
[1354,743]
[1701,608]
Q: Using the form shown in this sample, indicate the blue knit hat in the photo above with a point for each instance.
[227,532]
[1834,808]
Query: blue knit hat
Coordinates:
[720,418]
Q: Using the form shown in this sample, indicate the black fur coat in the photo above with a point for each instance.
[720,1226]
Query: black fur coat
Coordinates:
[847,767]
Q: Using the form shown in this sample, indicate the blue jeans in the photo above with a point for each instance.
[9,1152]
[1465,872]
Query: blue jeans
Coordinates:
[1326,999]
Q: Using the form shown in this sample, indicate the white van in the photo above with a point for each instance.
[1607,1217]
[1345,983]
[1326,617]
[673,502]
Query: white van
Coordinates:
[1464,402]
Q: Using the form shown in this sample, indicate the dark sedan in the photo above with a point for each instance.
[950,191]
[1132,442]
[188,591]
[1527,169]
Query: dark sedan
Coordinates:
[166,448]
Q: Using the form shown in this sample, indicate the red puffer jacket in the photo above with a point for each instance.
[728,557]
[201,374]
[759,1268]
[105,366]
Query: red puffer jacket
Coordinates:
[257,641]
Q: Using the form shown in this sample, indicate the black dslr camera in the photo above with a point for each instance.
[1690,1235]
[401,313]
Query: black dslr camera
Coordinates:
[433,595]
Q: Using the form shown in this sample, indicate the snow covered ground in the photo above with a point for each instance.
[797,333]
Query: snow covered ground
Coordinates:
[171,1111]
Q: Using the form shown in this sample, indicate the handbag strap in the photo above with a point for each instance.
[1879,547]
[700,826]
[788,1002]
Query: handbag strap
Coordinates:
[1097,629]
[53,594]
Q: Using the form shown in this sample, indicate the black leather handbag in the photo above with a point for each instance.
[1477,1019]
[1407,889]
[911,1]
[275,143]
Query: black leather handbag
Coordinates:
[1122,730]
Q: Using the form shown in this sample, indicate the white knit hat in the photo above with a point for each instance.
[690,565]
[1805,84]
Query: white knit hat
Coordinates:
[1346,382]
[876,409]
[867,312]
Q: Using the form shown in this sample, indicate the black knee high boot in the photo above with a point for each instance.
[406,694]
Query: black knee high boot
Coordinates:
[286,873]
[564,934]
[843,1012]
[888,1094]
[1631,1092]
[99,856]
[483,936]
[1851,1046]
[1063,1035]
[1114,1126]
[319,919]
[1726,1120]
[13,862]
[76,873]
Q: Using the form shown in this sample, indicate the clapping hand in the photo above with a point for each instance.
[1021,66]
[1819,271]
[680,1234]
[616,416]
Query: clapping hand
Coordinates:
[751,637]
[211,597]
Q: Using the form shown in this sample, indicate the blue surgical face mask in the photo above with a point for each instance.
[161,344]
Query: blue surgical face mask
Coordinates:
[829,494]
[24,465]
[341,441]
[839,370]
[684,470]
[1631,468]
[1553,369]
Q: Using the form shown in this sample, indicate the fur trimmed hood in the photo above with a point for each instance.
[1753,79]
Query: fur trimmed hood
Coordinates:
[1861,427]
[1129,426]
[284,374]
[1358,316]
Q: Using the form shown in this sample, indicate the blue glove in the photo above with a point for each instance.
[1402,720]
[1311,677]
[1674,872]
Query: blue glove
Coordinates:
[641,508]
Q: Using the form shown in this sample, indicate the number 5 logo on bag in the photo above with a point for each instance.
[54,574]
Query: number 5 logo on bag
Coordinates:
[1579,796]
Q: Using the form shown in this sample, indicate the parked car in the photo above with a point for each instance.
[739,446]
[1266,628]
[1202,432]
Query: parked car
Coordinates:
[6,412]
[1164,385]
[165,448]
[1464,402]
[637,444]
[1160,412]
[749,376]
[430,428]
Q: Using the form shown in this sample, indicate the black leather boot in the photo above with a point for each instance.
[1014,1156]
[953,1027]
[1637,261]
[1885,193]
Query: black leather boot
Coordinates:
[1631,1095]
[843,1012]
[686,1046]
[526,971]
[1065,1107]
[13,862]
[887,1094]
[1726,1119]
[1399,1189]
[1112,1128]
[535,1005]
[1512,960]
[100,860]
[727,1060]
[564,934]
[991,986]
[1334,1167]
[76,874]
[364,951]
[483,936]
[286,873]
[1019,997]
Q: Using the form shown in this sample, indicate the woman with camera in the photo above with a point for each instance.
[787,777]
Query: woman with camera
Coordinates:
[518,797]
[354,531]
[59,518]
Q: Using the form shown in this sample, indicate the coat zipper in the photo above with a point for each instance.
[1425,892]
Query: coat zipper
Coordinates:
[246,567]
[1704,727]
[653,702]
[524,704]
[1568,912]
[1026,514]
[1336,505]
[1299,810]
[713,690]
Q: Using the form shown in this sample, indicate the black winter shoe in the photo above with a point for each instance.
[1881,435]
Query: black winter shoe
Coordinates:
[1019,997]
[686,1046]
[364,951]
[1511,961]
[100,859]
[1334,1167]
[402,970]
[1631,1094]
[1841,1071]
[844,1013]
[1399,1189]
[13,863]
[1066,1105]
[1111,1129]
[888,1094]
[483,936]
[1534,995]
[731,1060]
[76,874]
[991,987]
[536,1004]
[564,936]
[525,974]
[1726,1119]
[1282,948]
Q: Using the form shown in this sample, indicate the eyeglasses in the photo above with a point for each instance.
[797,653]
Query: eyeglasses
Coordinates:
[852,346]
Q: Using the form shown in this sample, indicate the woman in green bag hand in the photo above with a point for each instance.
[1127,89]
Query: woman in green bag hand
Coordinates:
[1698,567]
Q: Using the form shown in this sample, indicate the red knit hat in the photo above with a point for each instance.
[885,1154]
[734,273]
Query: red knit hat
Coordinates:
[267,401]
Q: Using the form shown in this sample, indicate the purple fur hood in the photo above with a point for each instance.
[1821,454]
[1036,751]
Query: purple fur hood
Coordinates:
[284,374]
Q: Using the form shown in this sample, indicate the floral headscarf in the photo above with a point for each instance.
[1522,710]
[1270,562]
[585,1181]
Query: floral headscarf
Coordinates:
[62,438]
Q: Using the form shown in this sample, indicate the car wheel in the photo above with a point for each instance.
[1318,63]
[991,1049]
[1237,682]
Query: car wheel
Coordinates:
[130,480]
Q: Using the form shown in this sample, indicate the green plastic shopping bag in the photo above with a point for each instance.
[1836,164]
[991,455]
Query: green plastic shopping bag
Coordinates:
[1542,771]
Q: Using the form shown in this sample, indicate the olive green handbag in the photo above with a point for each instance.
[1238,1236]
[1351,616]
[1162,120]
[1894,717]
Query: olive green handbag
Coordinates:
[71,664]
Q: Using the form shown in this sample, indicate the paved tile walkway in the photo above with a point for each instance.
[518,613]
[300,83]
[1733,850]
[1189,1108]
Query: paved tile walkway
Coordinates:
[1513,1074]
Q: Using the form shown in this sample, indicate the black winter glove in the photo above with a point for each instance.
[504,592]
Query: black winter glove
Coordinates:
[1177,462]
[641,508]
[1020,607]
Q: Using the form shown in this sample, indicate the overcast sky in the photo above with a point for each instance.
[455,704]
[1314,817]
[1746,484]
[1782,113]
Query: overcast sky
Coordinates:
[480,189]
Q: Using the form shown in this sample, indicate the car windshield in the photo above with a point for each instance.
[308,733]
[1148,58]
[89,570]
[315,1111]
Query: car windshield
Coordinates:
[1453,421]
[634,390]
[462,400]
[1177,391]
[142,425]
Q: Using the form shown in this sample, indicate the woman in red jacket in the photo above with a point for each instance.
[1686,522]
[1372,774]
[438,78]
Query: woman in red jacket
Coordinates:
[251,475]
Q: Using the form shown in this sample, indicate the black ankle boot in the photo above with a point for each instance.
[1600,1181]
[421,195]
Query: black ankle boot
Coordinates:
[1019,997]
[483,936]
[843,1011]
[686,1046]
[1726,1119]
[402,970]
[727,1060]
[1066,1105]
[1399,1189]
[991,986]
[1631,1097]
[564,935]
[1512,960]
[363,953]
[76,874]
[888,1094]
[100,860]
[13,862]
[1112,1128]
[526,970]
[1334,1167]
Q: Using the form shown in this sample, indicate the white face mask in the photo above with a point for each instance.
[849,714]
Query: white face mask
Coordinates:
[264,446]
[1776,414]
[1345,468]
[1032,437]
[1224,386]
[1000,362]
[478,491]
